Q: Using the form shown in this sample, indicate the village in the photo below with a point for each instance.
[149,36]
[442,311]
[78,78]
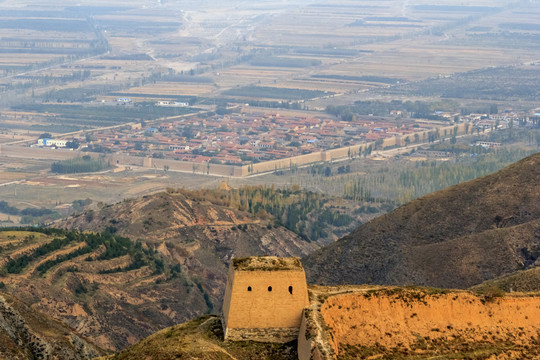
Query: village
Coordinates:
[247,136]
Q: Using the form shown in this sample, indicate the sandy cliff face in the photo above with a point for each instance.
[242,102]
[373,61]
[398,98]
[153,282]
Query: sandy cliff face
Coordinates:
[400,321]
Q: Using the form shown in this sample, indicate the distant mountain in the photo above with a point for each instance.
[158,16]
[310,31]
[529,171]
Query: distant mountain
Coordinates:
[28,334]
[457,237]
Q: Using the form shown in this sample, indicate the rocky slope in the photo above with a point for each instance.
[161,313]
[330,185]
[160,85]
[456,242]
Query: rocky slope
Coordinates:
[194,227]
[117,291]
[457,237]
[27,334]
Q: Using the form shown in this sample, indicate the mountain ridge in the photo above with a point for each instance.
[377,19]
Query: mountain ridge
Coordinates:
[520,281]
[456,237]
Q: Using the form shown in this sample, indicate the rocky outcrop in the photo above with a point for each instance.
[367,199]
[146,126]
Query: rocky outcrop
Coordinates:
[26,334]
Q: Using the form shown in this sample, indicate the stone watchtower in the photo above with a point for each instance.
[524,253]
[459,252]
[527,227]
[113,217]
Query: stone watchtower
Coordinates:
[264,299]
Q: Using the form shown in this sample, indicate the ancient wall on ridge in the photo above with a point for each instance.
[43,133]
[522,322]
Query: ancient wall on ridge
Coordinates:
[407,319]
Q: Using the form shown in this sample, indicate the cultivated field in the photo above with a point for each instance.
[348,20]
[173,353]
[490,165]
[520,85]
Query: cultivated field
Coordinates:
[170,90]
[263,44]
[106,187]
[57,66]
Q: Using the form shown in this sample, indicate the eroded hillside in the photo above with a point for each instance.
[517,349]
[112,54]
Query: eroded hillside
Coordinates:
[191,225]
[108,288]
[117,290]
[28,334]
[456,238]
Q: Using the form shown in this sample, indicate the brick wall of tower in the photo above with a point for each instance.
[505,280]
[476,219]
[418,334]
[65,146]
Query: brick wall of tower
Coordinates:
[264,305]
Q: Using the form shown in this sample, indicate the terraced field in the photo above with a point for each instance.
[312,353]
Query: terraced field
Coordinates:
[117,290]
[109,288]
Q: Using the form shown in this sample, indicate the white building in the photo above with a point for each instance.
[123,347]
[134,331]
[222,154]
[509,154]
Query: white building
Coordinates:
[172,103]
[52,142]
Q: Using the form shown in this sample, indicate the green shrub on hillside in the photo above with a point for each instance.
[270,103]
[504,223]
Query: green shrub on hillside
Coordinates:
[115,246]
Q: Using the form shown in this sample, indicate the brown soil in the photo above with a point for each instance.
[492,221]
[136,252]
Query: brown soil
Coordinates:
[418,321]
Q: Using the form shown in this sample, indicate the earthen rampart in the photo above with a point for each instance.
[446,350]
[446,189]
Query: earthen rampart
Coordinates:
[177,165]
[266,300]
[406,320]
[307,346]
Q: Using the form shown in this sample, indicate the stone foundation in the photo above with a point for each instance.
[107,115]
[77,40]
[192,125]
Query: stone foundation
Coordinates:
[279,335]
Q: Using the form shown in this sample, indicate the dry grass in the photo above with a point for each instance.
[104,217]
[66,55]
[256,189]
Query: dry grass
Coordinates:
[521,281]
[12,176]
[202,338]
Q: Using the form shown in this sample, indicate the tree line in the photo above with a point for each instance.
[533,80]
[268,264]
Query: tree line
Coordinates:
[306,213]
[115,246]
[80,165]
[404,183]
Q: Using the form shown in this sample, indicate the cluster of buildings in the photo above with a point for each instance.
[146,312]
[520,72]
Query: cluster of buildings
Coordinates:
[246,138]
[242,138]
